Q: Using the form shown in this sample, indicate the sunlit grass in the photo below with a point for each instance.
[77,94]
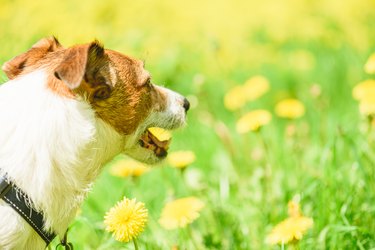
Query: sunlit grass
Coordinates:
[258,53]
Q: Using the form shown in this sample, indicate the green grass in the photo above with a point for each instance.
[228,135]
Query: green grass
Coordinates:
[202,50]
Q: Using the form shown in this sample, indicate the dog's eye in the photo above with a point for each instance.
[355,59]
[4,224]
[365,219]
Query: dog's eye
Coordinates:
[145,82]
[148,81]
[102,93]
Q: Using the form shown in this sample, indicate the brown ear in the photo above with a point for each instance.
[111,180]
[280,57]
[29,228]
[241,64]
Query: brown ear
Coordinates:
[48,44]
[73,67]
[18,64]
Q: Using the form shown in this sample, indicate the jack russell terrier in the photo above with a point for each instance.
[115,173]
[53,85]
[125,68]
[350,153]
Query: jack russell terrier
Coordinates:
[65,112]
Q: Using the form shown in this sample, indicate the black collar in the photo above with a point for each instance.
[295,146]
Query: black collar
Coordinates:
[22,204]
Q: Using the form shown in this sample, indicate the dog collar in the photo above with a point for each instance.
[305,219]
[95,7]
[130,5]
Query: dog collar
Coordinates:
[22,204]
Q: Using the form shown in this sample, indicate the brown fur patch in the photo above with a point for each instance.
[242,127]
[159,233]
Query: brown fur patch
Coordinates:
[29,60]
[116,86]
[130,101]
[57,87]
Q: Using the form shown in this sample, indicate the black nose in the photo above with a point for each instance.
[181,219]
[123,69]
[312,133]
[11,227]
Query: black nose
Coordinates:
[186,105]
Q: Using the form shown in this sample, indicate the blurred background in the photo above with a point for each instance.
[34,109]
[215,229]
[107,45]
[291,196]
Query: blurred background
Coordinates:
[231,58]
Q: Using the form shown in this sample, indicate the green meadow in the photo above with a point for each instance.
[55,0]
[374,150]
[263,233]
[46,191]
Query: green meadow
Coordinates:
[323,160]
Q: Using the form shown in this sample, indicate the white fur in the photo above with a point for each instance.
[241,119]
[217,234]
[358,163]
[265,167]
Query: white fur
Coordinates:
[53,148]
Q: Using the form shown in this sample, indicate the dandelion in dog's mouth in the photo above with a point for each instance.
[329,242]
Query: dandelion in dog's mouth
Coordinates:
[156,139]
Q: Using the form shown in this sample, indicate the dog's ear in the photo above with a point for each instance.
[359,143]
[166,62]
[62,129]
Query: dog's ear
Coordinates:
[18,64]
[48,44]
[77,60]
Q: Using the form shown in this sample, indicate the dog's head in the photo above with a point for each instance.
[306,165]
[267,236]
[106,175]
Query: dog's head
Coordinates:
[117,87]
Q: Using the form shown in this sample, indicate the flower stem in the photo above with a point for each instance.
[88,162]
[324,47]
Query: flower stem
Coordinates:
[135,244]
[190,233]
[295,245]
[266,183]
[370,120]
[267,168]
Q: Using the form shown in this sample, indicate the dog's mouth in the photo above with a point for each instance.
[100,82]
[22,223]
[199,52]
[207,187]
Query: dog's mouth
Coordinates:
[157,140]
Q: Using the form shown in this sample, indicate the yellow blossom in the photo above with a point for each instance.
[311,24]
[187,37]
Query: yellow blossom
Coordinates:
[181,159]
[180,212]
[367,107]
[370,64]
[126,220]
[290,108]
[160,134]
[253,121]
[292,228]
[364,90]
[255,87]
[294,209]
[128,167]
[252,89]
[235,98]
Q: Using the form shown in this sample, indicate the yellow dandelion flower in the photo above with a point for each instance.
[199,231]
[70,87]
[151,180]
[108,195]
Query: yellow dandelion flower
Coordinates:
[370,65]
[292,228]
[234,98]
[253,121]
[255,87]
[126,220]
[364,90]
[294,209]
[290,108]
[180,212]
[160,134]
[128,167]
[181,159]
[367,107]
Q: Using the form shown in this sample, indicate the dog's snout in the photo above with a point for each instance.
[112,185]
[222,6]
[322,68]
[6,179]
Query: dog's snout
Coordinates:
[186,104]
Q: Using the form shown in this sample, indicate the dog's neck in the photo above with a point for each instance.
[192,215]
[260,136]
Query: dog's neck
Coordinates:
[53,148]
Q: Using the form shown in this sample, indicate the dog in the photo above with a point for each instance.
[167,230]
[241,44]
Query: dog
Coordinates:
[66,112]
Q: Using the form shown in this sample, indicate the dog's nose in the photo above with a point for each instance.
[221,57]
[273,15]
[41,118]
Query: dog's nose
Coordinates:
[186,104]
